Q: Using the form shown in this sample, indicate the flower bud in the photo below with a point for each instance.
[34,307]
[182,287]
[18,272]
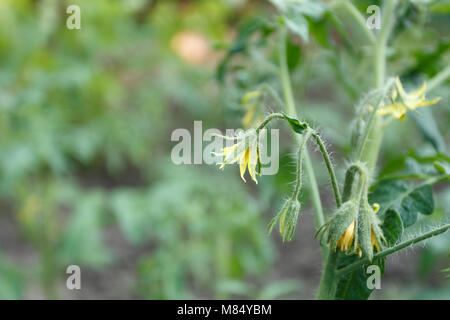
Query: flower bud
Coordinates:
[287,218]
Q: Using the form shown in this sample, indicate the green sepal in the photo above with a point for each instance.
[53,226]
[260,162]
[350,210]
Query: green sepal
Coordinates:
[297,126]
[364,230]
[343,217]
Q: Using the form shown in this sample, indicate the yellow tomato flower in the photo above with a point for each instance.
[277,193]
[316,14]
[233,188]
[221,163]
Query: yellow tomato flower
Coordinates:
[354,229]
[244,152]
[345,242]
[402,102]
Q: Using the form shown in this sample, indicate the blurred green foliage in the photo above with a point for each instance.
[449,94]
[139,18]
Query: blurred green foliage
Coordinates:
[86,117]
[85,123]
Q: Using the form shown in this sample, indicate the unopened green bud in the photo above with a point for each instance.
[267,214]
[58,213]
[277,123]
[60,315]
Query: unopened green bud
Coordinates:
[287,218]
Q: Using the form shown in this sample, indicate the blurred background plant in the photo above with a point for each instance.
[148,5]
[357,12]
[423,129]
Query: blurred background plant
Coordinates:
[85,122]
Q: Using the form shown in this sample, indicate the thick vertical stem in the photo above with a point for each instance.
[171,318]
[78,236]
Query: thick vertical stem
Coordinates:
[328,283]
[369,154]
[372,145]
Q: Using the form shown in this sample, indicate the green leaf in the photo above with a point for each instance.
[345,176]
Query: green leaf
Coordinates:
[416,167]
[353,286]
[311,8]
[297,126]
[298,24]
[131,213]
[386,191]
[419,200]
[246,30]
[406,199]
[295,12]
[83,239]
[392,227]
[442,167]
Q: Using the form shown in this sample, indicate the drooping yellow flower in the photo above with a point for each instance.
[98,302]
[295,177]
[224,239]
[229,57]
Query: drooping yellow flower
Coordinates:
[244,152]
[402,102]
[354,229]
[345,242]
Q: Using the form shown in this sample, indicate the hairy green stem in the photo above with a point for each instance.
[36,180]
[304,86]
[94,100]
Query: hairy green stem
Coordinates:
[327,285]
[301,152]
[398,247]
[329,165]
[284,72]
[267,119]
[329,280]
[350,176]
[380,46]
[290,109]
[372,141]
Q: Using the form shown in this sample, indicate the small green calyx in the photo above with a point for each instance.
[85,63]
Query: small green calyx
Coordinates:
[296,125]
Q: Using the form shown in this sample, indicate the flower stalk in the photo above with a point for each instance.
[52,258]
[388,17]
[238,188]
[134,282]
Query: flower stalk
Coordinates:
[345,270]
[290,109]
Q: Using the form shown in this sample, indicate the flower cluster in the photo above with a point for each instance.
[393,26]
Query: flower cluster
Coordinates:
[355,229]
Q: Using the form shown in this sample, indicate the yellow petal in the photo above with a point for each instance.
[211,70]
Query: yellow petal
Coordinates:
[375,241]
[416,94]
[429,102]
[345,241]
[243,163]
[400,87]
[253,161]
[398,110]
